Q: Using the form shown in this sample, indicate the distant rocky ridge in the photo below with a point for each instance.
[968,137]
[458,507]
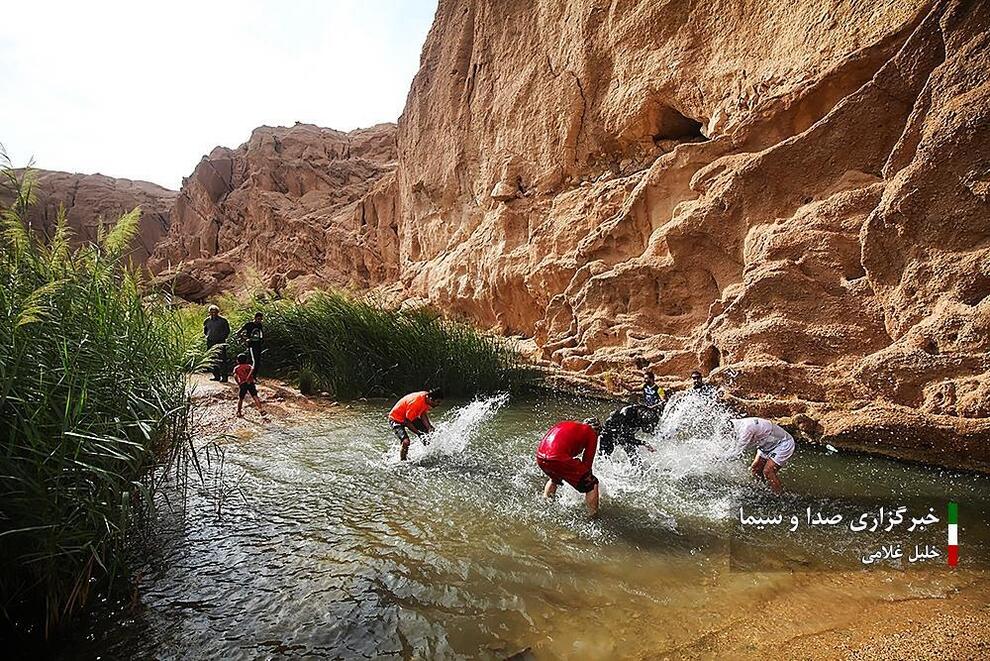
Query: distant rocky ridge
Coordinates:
[90,200]
[306,205]
[795,198]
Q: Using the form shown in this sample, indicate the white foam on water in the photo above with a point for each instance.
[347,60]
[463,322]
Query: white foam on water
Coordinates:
[693,437]
[457,427]
[687,473]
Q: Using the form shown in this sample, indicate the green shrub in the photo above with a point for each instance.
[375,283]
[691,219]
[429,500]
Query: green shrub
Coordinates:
[92,401]
[353,347]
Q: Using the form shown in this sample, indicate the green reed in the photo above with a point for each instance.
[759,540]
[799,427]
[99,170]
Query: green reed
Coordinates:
[93,408]
[351,347]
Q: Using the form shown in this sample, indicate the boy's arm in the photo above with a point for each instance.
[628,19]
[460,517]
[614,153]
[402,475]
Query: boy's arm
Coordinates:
[740,445]
[204,327]
[426,421]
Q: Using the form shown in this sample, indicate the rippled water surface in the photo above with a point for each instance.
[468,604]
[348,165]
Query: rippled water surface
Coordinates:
[327,546]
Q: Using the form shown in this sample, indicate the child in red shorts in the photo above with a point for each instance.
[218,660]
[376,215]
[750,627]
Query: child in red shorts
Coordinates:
[244,375]
[557,458]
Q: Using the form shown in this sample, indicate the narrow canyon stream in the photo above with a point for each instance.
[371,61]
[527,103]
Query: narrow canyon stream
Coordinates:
[327,546]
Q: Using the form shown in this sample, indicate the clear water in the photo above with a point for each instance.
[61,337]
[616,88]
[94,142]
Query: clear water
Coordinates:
[327,546]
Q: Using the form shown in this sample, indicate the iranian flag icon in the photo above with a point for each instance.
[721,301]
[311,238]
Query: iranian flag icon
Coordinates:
[953,534]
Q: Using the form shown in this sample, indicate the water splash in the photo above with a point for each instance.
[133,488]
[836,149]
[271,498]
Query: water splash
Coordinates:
[686,474]
[694,434]
[458,426]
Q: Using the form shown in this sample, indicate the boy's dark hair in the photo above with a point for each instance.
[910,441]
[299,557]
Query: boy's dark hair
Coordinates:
[259,314]
[436,394]
[242,358]
[649,375]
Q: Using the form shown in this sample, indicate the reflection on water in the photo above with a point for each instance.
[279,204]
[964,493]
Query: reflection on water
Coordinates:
[330,547]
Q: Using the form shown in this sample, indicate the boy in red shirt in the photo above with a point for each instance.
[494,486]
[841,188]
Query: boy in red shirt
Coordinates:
[244,375]
[557,458]
[410,412]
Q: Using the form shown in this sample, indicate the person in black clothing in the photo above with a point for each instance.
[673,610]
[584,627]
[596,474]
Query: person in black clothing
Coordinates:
[253,335]
[620,429]
[216,329]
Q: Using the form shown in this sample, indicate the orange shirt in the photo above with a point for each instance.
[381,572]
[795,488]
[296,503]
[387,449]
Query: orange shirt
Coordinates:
[410,407]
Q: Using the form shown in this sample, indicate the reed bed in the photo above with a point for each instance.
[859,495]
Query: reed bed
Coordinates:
[93,407]
[350,348]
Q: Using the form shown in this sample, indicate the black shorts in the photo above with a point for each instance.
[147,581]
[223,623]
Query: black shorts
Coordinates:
[572,471]
[400,430]
[245,388]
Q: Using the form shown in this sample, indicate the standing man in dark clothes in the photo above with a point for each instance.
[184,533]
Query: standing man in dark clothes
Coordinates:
[254,335]
[217,330]
[621,426]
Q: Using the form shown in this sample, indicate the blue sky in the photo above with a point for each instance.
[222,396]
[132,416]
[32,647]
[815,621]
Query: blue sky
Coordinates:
[143,89]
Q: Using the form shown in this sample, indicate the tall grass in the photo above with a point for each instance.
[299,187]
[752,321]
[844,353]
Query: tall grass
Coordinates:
[92,400]
[353,348]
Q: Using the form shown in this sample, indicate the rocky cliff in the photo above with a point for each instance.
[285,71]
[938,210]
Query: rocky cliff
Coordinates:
[794,197]
[303,205]
[91,200]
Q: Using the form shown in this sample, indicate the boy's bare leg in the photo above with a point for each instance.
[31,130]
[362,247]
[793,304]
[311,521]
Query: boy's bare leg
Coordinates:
[770,473]
[591,499]
[550,490]
[404,452]
[240,405]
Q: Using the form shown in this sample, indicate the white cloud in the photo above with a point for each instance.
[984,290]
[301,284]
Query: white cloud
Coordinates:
[142,90]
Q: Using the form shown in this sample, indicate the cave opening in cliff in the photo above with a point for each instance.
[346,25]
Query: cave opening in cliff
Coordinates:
[671,124]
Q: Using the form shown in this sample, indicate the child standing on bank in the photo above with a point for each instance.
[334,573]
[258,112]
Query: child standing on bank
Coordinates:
[244,375]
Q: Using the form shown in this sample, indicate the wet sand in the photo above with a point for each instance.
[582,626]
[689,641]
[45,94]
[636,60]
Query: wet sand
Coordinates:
[828,615]
[214,417]
[809,620]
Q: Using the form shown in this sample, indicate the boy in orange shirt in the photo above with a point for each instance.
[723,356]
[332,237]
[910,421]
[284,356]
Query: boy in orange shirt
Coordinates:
[410,412]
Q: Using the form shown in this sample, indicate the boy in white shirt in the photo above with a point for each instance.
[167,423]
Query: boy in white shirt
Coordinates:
[772,443]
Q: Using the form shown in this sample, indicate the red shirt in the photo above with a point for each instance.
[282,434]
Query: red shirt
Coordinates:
[244,373]
[410,407]
[567,440]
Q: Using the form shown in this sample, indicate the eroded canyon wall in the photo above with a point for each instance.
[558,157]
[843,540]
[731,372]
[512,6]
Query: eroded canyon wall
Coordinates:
[303,205]
[793,196]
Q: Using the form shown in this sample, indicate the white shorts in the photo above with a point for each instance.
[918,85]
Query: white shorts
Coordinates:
[780,453]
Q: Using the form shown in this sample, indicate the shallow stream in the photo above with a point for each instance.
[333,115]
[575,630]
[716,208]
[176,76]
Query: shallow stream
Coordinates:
[327,546]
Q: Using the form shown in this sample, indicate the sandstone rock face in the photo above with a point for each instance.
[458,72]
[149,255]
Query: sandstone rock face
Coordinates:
[794,197]
[302,207]
[94,199]
[791,196]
